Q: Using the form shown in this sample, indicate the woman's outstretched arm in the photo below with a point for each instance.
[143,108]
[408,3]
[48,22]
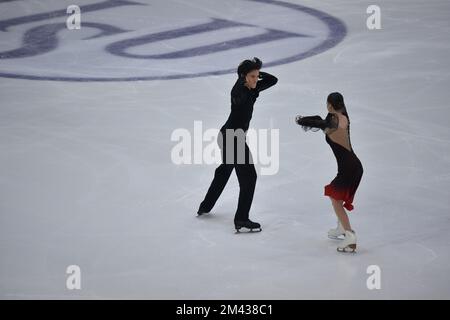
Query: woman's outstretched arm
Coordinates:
[315,123]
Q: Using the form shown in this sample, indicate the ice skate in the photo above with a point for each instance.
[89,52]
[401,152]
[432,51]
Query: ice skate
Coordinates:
[252,226]
[337,233]
[201,211]
[349,242]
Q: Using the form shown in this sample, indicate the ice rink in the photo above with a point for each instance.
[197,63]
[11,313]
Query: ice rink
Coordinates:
[87,179]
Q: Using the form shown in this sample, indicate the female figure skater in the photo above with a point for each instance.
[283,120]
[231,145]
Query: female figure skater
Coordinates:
[342,189]
[234,150]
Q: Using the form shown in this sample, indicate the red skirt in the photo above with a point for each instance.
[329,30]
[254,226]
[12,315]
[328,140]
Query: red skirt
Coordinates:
[345,194]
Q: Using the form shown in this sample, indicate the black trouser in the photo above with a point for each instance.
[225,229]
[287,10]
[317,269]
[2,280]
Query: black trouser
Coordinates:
[246,174]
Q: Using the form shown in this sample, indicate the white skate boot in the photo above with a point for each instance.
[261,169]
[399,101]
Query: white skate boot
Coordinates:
[349,242]
[336,232]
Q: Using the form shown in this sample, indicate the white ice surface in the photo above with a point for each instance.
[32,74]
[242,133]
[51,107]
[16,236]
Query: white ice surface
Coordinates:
[86,177]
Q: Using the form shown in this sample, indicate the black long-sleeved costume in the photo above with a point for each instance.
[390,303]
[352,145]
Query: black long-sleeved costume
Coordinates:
[242,101]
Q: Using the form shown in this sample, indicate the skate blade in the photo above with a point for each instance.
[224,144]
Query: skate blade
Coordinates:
[238,230]
[349,249]
[335,238]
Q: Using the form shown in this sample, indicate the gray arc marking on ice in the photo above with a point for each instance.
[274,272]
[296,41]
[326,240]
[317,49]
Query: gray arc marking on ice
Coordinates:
[336,32]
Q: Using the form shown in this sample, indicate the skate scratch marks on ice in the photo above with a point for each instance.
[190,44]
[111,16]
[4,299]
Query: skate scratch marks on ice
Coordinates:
[434,256]
[209,242]
[190,192]
[340,52]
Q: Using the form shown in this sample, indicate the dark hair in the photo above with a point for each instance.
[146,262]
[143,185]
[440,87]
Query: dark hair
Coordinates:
[247,66]
[337,102]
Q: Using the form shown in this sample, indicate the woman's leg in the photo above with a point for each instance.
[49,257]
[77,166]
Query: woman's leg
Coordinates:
[341,214]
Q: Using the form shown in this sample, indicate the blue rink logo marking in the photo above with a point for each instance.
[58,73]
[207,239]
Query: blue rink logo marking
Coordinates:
[183,51]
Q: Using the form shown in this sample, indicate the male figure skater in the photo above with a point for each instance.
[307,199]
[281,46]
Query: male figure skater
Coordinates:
[234,150]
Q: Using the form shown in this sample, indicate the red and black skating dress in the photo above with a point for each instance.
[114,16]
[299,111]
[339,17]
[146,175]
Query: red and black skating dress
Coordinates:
[350,170]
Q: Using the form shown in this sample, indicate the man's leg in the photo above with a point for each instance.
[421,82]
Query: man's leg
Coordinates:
[221,176]
[246,175]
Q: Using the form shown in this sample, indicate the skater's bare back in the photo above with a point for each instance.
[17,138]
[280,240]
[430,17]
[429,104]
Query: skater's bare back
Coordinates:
[340,135]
